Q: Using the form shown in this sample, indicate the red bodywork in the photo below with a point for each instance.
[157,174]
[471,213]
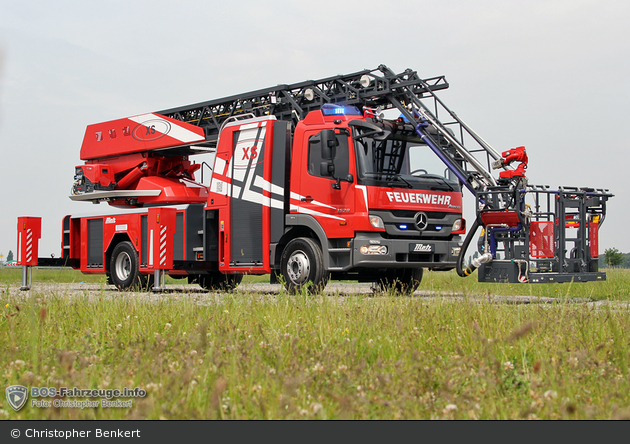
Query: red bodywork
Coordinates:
[161,228]
[344,212]
[238,161]
[341,213]
[29,233]
[143,153]
[127,154]
[138,134]
[122,227]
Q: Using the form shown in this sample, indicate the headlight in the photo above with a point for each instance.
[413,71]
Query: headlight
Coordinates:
[459,227]
[376,222]
[373,249]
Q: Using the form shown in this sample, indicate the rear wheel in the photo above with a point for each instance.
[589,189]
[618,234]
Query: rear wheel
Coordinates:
[216,281]
[123,267]
[303,266]
[403,280]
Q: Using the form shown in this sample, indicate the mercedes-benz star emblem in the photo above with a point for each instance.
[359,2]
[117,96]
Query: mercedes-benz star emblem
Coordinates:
[421,221]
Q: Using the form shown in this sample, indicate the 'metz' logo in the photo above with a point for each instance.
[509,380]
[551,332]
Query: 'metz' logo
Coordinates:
[110,220]
[433,199]
[422,248]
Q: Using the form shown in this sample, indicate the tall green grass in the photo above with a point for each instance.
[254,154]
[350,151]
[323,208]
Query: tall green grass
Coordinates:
[242,355]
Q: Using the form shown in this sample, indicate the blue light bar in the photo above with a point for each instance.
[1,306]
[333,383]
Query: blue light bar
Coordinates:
[330,109]
[438,228]
[402,226]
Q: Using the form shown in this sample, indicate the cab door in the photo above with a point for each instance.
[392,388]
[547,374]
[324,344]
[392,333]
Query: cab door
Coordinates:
[327,193]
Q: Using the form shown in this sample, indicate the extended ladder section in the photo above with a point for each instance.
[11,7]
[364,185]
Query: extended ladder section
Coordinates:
[368,88]
[459,147]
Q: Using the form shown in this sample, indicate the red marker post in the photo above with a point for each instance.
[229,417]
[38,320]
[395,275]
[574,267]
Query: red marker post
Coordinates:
[161,229]
[29,233]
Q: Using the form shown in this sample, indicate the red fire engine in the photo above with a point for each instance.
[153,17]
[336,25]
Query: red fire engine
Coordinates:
[309,183]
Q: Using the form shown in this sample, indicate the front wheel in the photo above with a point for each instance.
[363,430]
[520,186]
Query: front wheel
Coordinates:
[403,280]
[303,266]
[123,267]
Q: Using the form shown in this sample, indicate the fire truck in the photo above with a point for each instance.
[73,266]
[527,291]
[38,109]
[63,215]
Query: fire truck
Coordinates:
[311,182]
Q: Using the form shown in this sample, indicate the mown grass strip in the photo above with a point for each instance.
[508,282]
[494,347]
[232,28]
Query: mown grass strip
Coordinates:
[616,287]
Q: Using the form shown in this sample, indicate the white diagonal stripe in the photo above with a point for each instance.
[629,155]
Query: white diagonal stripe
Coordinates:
[299,197]
[365,196]
[176,131]
[303,210]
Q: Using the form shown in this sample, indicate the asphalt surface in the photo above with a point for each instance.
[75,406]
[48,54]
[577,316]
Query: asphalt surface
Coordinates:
[195,293]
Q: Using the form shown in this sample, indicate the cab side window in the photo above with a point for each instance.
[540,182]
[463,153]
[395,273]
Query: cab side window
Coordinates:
[341,155]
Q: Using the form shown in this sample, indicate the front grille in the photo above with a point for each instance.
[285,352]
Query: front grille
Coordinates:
[412,213]
[393,219]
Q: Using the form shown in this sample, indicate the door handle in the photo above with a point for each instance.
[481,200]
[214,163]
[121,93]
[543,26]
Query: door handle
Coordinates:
[307,199]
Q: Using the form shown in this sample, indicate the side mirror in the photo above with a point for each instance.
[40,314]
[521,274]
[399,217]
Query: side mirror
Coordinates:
[329,144]
[327,168]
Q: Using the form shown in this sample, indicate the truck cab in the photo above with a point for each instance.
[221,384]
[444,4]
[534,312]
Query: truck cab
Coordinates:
[380,203]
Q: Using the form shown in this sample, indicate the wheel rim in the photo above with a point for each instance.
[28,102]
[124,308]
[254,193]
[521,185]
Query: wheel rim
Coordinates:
[123,266]
[298,267]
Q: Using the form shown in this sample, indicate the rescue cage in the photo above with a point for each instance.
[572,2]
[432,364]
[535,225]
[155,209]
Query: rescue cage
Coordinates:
[539,235]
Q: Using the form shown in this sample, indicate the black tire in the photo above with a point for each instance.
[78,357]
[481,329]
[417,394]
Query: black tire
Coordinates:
[303,266]
[216,281]
[123,267]
[402,280]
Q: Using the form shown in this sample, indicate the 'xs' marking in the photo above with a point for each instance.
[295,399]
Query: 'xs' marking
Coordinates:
[249,155]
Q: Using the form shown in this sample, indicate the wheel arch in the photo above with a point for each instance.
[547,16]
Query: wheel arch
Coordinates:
[118,238]
[303,225]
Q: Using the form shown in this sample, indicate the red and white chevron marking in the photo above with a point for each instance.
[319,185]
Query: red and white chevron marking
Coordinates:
[29,245]
[163,245]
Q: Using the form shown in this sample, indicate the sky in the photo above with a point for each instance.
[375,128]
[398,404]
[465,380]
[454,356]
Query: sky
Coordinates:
[552,75]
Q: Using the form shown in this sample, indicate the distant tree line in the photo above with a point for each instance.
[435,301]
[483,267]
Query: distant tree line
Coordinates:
[613,258]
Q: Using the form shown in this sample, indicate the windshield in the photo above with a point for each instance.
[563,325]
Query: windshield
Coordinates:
[400,161]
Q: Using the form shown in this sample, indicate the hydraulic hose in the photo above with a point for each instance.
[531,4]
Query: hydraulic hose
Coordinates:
[486,257]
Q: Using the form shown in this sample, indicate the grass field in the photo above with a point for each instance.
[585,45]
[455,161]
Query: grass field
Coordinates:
[243,355]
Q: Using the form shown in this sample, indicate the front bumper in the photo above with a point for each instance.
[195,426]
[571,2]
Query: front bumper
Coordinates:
[406,253]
